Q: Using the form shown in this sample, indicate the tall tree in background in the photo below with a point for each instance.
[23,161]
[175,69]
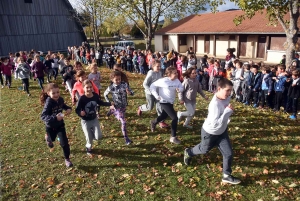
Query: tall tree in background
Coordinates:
[114,24]
[167,22]
[93,13]
[284,12]
[149,11]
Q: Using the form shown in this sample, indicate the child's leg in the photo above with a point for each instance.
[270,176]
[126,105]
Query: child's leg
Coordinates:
[168,110]
[69,86]
[97,129]
[1,79]
[26,84]
[278,100]
[40,81]
[263,97]
[64,143]
[89,135]
[9,80]
[120,115]
[294,106]
[150,103]
[189,113]
[225,148]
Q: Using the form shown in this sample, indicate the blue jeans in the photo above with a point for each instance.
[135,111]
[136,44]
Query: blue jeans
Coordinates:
[142,70]
[209,141]
[41,82]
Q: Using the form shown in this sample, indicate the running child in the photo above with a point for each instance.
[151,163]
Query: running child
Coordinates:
[151,77]
[86,110]
[23,72]
[167,88]
[6,69]
[191,86]
[77,90]
[119,91]
[214,132]
[54,119]
[38,68]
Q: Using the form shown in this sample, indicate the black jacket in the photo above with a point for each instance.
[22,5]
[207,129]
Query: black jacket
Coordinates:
[294,91]
[51,109]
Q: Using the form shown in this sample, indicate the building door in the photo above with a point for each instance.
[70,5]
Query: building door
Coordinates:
[243,45]
[165,43]
[206,43]
[261,47]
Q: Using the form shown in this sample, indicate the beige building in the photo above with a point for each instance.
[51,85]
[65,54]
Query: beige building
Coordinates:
[213,33]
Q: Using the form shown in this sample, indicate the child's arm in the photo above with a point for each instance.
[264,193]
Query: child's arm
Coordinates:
[128,89]
[80,109]
[46,114]
[153,88]
[218,121]
[180,94]
[106,93]
[95,88]
[74,90]
[200,91]
[147,81]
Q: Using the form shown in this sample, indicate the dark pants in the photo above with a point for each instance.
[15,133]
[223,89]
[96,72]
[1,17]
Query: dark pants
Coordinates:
[110,64]
[49,74]
[7,80]
[25,83]
[129,67]
[278,100]
[266,99]
[168,110]
[41,82]
[1,79]
[98,62]
[292,104]
[209,141]
[55,72]
[63,140]
[253,94]
[123,65]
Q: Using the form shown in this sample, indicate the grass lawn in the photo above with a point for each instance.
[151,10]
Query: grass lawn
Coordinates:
[266,155]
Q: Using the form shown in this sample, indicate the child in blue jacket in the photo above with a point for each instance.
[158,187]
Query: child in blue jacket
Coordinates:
[266,93]
[279,86]
[254,86]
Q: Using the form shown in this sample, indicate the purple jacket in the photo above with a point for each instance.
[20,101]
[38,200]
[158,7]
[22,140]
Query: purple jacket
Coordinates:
[38,68]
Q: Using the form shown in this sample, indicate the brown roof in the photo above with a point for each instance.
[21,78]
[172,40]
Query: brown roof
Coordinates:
[222,23]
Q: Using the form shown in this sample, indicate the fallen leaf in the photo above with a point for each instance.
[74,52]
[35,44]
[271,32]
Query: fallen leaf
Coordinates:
[275,181]
[131,191]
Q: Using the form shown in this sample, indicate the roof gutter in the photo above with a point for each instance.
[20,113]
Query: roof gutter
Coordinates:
[218,33]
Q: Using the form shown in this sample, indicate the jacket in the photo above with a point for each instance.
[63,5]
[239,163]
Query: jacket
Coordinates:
[269,82]
[279,85]
[6,69]
[51,109]
[38,68]
[256,84]
[190,89]
[294,91]
[23,71]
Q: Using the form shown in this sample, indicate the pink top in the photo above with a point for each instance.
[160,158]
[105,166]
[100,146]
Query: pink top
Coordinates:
[179,64]
[6,69]
[79,88]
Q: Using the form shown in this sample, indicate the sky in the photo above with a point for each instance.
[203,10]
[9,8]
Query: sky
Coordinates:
[228,5]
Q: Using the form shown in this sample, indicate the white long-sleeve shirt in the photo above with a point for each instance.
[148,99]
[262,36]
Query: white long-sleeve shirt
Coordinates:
[218,116]
[166,89]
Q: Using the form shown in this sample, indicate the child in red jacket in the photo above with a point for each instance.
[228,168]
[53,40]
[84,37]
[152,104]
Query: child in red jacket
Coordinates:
[6,69]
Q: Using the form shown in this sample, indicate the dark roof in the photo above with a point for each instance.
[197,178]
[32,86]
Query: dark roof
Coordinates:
[222,23]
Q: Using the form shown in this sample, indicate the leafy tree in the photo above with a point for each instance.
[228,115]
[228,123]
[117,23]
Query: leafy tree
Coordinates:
[114,24]
[149,11]
[167,22]
[277,12]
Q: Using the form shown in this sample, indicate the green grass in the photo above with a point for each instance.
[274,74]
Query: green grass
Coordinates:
[266,155]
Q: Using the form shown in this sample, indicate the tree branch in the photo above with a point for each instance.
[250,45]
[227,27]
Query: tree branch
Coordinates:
[280,18]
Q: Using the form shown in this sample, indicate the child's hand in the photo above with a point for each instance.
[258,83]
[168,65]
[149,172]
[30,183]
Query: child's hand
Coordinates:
[293,85]
[181,102]
[230,106]
[177,90]
[112,107]
[68,111]
[82,113]
[59,117]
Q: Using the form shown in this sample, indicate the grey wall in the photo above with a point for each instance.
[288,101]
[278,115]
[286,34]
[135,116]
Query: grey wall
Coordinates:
[41,25]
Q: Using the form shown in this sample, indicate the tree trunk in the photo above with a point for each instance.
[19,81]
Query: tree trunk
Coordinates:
[148,39]
[291,40]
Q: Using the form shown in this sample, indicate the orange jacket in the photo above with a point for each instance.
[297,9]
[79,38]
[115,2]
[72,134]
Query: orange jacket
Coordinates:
[79,88]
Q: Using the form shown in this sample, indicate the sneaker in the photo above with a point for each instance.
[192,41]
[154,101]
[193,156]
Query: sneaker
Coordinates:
[293,117]
[246,103]
[179,116]
[163,125]
[255,105]
[152,125]
[68,163]
[174,140]
[128,141]
[49,141]
[139,111]
[186,157]
[231,180]
[28,94]
[88,151]
[187,126]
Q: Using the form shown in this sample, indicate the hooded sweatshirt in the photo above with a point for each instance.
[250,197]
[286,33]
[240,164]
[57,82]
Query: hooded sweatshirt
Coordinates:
[150,78]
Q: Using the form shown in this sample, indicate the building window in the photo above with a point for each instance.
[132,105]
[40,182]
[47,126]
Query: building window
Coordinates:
[231,37]
[182,40]
[28,1]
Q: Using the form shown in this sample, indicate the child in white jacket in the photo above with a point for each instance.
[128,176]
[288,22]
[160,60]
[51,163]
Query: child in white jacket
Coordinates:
[167,88]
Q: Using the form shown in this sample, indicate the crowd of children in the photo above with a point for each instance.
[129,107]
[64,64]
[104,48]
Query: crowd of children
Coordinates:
[167,75]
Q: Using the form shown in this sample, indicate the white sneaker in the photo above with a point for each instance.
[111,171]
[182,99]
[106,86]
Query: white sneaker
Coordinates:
[187,126]
[179,116]
[174,140]
[2,86]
